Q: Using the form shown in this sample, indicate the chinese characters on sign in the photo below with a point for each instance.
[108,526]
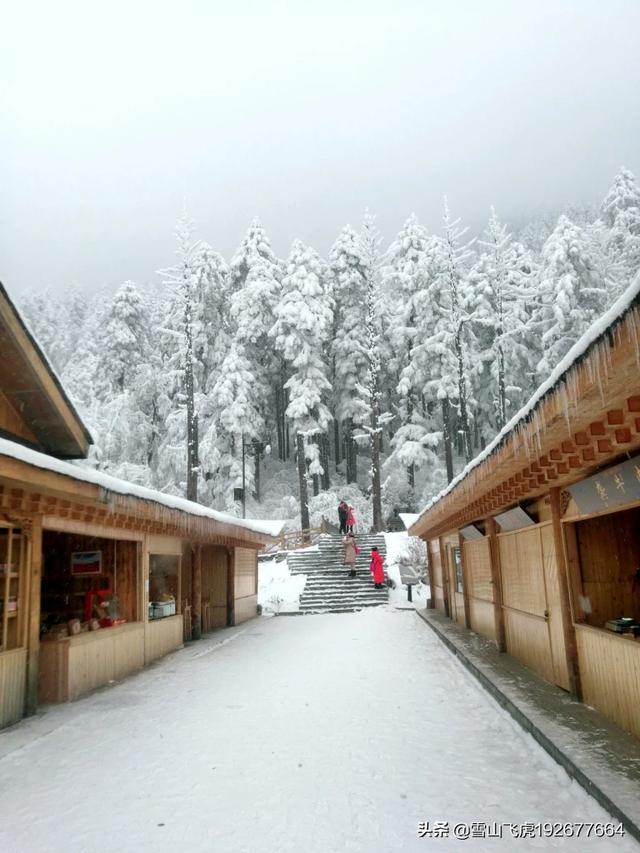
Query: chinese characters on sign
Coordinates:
[609,489]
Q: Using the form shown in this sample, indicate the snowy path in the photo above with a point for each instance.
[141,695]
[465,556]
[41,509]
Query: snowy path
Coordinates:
[316,734]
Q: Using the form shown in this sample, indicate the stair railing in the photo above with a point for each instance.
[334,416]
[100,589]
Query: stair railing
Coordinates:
[295,539]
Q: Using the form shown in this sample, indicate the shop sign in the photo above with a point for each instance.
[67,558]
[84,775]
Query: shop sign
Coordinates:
[86,563]
[608,489]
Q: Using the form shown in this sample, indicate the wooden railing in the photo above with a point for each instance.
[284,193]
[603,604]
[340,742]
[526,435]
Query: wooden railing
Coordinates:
[295,539]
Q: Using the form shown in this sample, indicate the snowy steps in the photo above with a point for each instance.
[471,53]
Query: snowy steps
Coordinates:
[329,587]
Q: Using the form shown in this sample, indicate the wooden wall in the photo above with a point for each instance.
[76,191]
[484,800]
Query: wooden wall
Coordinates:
[214,587]
[73,666]
[162,636]
[245,584]
[436,580]
[531,602]
[477,563]
[13,670]
[610,675]
[609,552]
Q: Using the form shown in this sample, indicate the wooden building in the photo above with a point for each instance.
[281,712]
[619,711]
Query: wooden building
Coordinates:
[98,577]
[536,545]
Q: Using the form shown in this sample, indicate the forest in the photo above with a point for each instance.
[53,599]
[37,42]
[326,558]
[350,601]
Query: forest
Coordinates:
[375,374]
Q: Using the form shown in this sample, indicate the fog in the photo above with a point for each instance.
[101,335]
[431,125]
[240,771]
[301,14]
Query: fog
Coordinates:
[301,113]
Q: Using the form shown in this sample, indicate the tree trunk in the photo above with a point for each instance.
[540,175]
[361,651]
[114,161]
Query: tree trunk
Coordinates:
[375,468]
[302,482]
[257,453]
[411,470]
[192,417]
[324,461]
[351,451]
[502,393]
[446,436]
[462,396]
[280,423]
[336,440]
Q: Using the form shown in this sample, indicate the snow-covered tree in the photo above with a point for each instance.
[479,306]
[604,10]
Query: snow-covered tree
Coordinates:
[403,279]
[303,323]
[572,292]
[500,282]
[620,211]
[181,279]
[349,351]
[452,261]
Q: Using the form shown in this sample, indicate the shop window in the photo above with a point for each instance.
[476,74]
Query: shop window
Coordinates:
[609,557]
[12,588]
[88,583]
[457,566]
[164,585]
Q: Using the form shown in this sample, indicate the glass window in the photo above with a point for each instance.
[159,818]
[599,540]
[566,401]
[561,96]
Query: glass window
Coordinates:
[164,585]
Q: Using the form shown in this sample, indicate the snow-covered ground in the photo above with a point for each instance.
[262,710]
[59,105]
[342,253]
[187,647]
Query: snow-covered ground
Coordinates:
[324,733]
[278,590]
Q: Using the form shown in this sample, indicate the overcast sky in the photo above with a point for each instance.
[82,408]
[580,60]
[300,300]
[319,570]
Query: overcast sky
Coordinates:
[302,113]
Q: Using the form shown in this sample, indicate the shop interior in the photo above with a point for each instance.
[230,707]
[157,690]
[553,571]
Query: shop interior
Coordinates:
[164,585]
[88,583]
[609,556]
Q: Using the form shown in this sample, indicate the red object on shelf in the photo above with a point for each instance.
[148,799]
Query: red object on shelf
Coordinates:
[108,622]
[90,598]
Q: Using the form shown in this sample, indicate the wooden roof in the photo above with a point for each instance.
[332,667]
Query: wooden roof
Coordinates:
[588,419]
[27,489]
[30,384]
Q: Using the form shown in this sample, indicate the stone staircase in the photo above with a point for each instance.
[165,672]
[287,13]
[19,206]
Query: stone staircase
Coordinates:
[329,589]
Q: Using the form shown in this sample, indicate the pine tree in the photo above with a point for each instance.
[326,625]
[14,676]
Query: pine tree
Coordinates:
[181,279]
[453,258]
[349,351]
[500,282]
[303,322]
[572,293]
[620,211]
[403,280]
[371,240]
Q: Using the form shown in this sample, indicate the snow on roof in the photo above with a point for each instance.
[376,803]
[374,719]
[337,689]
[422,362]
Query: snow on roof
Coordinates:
[78,471]
[575,354]
[408,518]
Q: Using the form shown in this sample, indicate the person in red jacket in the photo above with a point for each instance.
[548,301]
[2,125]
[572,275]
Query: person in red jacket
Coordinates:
[376,568]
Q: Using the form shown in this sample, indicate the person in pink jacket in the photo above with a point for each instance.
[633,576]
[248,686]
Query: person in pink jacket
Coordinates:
[376,568]
[351,520]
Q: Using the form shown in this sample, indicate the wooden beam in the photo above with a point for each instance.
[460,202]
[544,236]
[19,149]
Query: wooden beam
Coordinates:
[496,581]
[34,567]
[196,592]
[465,583]
[568,630]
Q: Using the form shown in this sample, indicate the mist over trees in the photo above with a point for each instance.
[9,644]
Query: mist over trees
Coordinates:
[375,374]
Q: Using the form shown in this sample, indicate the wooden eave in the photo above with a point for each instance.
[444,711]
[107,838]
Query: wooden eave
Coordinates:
[590,419]
[34,390]
[27,490]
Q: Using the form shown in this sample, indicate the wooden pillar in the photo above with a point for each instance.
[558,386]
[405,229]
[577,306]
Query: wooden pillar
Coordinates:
[465,583]
[34,569]
[496,581]
[231,596]
[570,644]
[196,592]
[444,567]
[431,602]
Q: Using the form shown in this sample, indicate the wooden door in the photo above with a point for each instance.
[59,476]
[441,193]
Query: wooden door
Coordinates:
[531,602]
[455,576]
[554,614]
[214,587]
